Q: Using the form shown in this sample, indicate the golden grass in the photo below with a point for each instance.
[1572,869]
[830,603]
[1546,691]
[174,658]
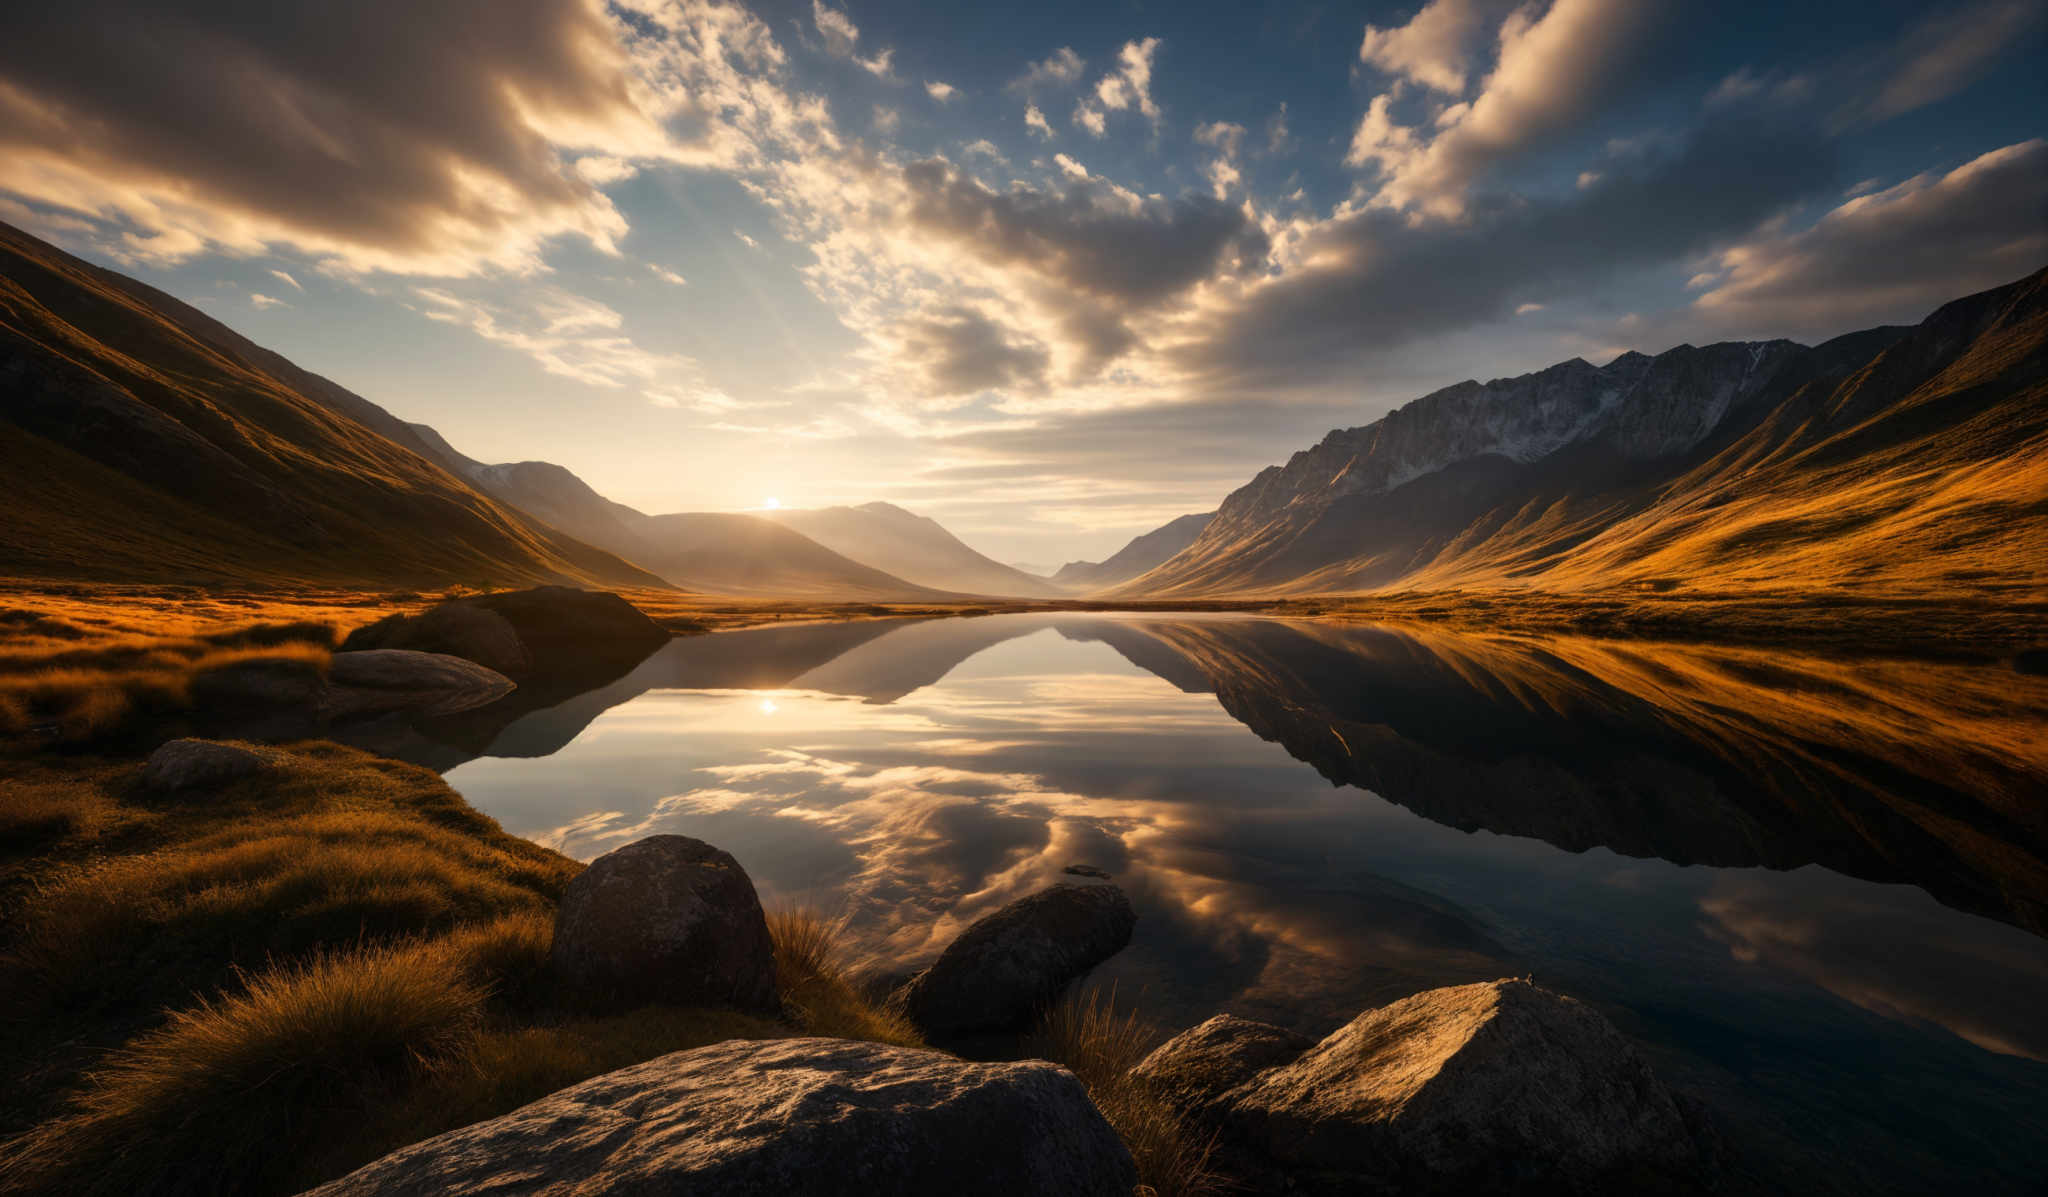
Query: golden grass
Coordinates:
[1100,1044]
[262,988]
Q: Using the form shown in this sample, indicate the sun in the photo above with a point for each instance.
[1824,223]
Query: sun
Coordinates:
[771,504]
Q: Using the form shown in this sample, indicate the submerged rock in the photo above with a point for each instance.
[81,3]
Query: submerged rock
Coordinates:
[1008,966]
[1495,1087]
[665,919]
[179,765]
[814,1116]
[377,681]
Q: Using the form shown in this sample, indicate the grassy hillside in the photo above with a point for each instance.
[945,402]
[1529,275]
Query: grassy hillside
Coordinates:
[143,441]
[1898,463]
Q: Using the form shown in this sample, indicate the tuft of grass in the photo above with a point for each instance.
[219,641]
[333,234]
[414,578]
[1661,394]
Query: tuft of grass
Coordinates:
[1100,1045]
[216,1099]
[816,991]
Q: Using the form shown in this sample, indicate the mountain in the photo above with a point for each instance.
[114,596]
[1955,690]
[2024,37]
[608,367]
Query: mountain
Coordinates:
[914,548]
[1900,460]
[740,555]
[142,440]
[1134,559]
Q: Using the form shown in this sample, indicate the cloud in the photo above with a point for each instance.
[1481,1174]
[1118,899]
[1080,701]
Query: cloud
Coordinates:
[1891,254]
[942,92]
[745,240]
[365,135]
[1551,71]
[286,279]
[1069,167]
[1360,285]
[1035,121]
[667,276]
[836,28]
[962,351]
[1061,68]
[1944,54]
[1091,119]
[1226,136]
[264,302]
[1435,47]
[1130,84]
[571,336]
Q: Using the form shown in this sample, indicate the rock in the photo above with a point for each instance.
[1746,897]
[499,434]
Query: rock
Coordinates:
[377,681]
[1006,968]
[822,1117]
[1495,1087]
[546,629]
[201,764]
[665,919]
[557,623]
[456,629]
[1199,1065]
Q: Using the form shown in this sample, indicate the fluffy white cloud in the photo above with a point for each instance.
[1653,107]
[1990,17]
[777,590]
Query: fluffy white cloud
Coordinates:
[1130,84]
[1061,68]
[942,92]
[1435,47]
[1035,121]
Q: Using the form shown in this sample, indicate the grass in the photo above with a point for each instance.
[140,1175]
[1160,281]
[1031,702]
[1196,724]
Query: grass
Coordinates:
[1100,1044]
[270,986]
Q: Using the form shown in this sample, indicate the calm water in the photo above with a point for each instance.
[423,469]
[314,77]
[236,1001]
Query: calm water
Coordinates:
[1813,891]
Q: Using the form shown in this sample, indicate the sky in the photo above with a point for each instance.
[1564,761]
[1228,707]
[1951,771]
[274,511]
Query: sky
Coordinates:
[1051,274]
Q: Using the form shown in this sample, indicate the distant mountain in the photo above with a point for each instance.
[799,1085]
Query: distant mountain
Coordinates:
[1901,460]
[1134,559]
[1037,569]
[740,555]
[142,440]
[913,547]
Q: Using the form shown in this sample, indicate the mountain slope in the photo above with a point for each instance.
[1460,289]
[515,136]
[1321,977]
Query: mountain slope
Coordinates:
[145,441]
[741,555]
[748,556]
[1902,460]
[913,547]
[1143,553]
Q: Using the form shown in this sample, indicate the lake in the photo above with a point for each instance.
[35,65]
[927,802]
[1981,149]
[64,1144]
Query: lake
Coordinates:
[1814,890]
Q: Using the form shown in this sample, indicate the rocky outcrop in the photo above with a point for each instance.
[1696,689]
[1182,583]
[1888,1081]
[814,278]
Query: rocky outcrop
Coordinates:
[665,919]
[1008,966]
[1197,1067]
[186,765]
[380,681]
[815,1116]
[1495,1087]
[548,629]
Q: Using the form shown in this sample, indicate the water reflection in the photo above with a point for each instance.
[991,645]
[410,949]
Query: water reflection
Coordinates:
[1532,806]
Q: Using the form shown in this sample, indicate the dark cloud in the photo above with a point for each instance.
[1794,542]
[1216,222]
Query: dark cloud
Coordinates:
[403,129]
[1375,280]
[1108,246]
[1892,255]
[961,351]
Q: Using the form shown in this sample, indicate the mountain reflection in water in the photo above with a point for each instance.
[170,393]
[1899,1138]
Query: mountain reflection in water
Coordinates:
[1813,888]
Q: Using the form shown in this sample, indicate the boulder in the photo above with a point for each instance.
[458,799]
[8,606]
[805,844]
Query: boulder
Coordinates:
[823,1117]
[1496,1087]
[378,681]
[180,765]
[457,629]
[558,623]
[665,919]
[1009,966]
[548,629]
[1196,1067]
[276,684]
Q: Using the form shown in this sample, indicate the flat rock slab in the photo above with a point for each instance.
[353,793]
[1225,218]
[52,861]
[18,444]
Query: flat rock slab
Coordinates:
[827,1117]
[665,919]
[1007,967]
